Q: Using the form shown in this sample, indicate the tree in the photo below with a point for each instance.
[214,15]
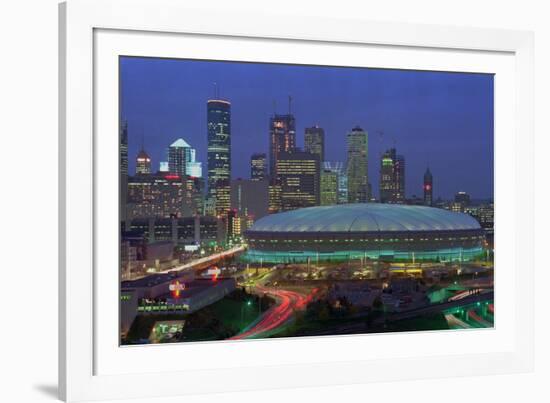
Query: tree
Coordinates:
[377,303]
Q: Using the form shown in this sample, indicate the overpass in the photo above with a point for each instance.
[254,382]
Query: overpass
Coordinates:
[482,296]
[206,261]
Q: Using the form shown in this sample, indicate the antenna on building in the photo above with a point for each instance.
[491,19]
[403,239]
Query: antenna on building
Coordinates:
[381,139]
[274,107]
[216,91]
[289,104]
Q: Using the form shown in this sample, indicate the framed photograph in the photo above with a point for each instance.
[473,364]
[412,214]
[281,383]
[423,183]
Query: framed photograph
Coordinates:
[273,201]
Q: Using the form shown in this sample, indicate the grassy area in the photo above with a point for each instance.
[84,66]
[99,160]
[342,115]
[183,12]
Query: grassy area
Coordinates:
[428,322]
[236,314]
[335,326]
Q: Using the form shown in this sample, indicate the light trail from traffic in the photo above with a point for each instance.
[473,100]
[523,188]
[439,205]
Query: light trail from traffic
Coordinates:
[455,323]
[478,319]
[464,294]
[206,259]
[288,302]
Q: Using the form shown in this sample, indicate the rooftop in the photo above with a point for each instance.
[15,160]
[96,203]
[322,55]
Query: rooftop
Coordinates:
[365,217]
[180,143]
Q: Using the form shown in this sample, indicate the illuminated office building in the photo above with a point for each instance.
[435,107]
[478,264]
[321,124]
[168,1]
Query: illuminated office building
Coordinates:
[163,167]
[340,169]
[274,197]
[392,177]
[486,217]
[463,198]
[182,160]
[357,166]
[298,173]
[143,163]
[219,153]
[314,141]
[123,173]
[428,188]
[329,187]
[156,196]
[164,195]
[282,139]
[177,157]
[258,167]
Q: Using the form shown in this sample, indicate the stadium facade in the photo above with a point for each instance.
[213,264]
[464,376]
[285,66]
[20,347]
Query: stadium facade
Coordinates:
[375,231]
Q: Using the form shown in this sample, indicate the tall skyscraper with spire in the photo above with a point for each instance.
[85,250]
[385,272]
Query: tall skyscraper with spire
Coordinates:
[282,137]
[143,163]
[218,118]
[428,188]
[357,166]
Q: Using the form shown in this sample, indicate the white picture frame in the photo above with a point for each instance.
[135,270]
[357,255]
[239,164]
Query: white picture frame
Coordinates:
[91,364]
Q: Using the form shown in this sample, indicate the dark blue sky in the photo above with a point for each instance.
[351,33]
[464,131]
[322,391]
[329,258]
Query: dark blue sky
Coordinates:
[441,119]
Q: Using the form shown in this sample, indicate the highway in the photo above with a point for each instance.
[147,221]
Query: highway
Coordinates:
[434,308]
[206,260]
[455,323]
[478,319]
[287,302]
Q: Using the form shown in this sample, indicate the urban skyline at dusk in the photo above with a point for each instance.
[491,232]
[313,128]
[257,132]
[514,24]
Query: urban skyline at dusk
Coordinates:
[450,130]
[263,200]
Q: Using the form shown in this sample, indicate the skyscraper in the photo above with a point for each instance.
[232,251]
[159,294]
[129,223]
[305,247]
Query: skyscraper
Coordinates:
[282,138]
[400,178]
[387,180]
[143,163]
[193,167]
[357,166]
[274,197]
[329,187]
[219,153]
[428,188]
[182,160]
[486,216]
[193,202]
[123,174]
[298,174]
[177,157]
[258,167]
[163,167]
[314,141]
[340,169]
[392,177]
[462,198]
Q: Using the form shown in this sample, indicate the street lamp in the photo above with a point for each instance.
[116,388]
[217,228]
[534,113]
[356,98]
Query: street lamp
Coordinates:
[248,303]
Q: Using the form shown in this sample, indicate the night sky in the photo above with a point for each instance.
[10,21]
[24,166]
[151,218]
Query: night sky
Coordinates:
[444,120]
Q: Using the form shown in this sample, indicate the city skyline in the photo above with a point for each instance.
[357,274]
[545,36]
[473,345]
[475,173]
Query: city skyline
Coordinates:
[238,222]
[467,167]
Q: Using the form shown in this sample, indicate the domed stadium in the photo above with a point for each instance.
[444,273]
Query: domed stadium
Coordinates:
[343,232]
